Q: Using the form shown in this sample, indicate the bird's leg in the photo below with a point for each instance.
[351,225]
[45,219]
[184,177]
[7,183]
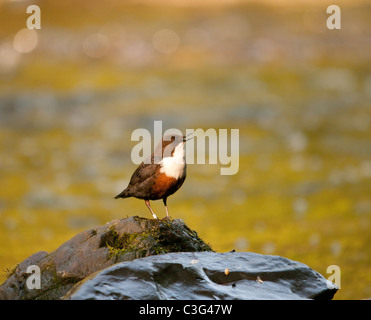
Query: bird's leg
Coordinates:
[167,212]
[150,209]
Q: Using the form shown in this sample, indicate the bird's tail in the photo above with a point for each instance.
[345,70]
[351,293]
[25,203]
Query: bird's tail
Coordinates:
[123,194]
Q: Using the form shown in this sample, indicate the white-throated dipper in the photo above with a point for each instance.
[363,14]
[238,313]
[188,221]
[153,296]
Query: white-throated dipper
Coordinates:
[160,177]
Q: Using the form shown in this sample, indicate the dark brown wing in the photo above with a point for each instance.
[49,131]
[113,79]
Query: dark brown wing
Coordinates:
[142,173]
[140,177]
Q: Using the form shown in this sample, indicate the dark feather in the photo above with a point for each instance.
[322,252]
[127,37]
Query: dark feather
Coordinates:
[139,177]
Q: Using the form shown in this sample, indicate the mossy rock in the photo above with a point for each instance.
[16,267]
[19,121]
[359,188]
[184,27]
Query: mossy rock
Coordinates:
[160,236]
[95,249]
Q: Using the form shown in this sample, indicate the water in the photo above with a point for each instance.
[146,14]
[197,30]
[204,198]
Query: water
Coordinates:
[298,96]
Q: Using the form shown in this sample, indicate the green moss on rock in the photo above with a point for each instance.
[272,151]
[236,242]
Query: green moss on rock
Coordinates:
[162,236]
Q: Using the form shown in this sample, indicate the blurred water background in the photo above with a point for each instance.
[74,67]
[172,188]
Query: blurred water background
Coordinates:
[72,92]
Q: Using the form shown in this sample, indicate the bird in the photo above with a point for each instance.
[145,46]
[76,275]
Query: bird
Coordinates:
[160,177]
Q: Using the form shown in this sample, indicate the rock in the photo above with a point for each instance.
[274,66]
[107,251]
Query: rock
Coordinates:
[138,258]
[95,249]
[203,275]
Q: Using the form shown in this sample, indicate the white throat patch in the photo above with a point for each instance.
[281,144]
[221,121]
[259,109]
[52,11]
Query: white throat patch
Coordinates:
[174,166]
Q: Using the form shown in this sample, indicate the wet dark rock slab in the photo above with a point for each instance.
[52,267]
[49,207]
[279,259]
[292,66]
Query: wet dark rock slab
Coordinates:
[205,275]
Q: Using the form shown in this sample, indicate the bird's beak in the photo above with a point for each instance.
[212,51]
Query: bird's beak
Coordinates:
[185,137]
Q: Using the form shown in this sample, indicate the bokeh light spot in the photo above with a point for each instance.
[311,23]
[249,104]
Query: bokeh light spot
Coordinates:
[25,40]
[166,41]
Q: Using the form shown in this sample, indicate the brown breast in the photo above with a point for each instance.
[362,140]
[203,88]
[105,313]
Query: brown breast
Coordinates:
[165,186]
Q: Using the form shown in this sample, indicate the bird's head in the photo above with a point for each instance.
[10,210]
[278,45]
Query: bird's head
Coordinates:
[171,146]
